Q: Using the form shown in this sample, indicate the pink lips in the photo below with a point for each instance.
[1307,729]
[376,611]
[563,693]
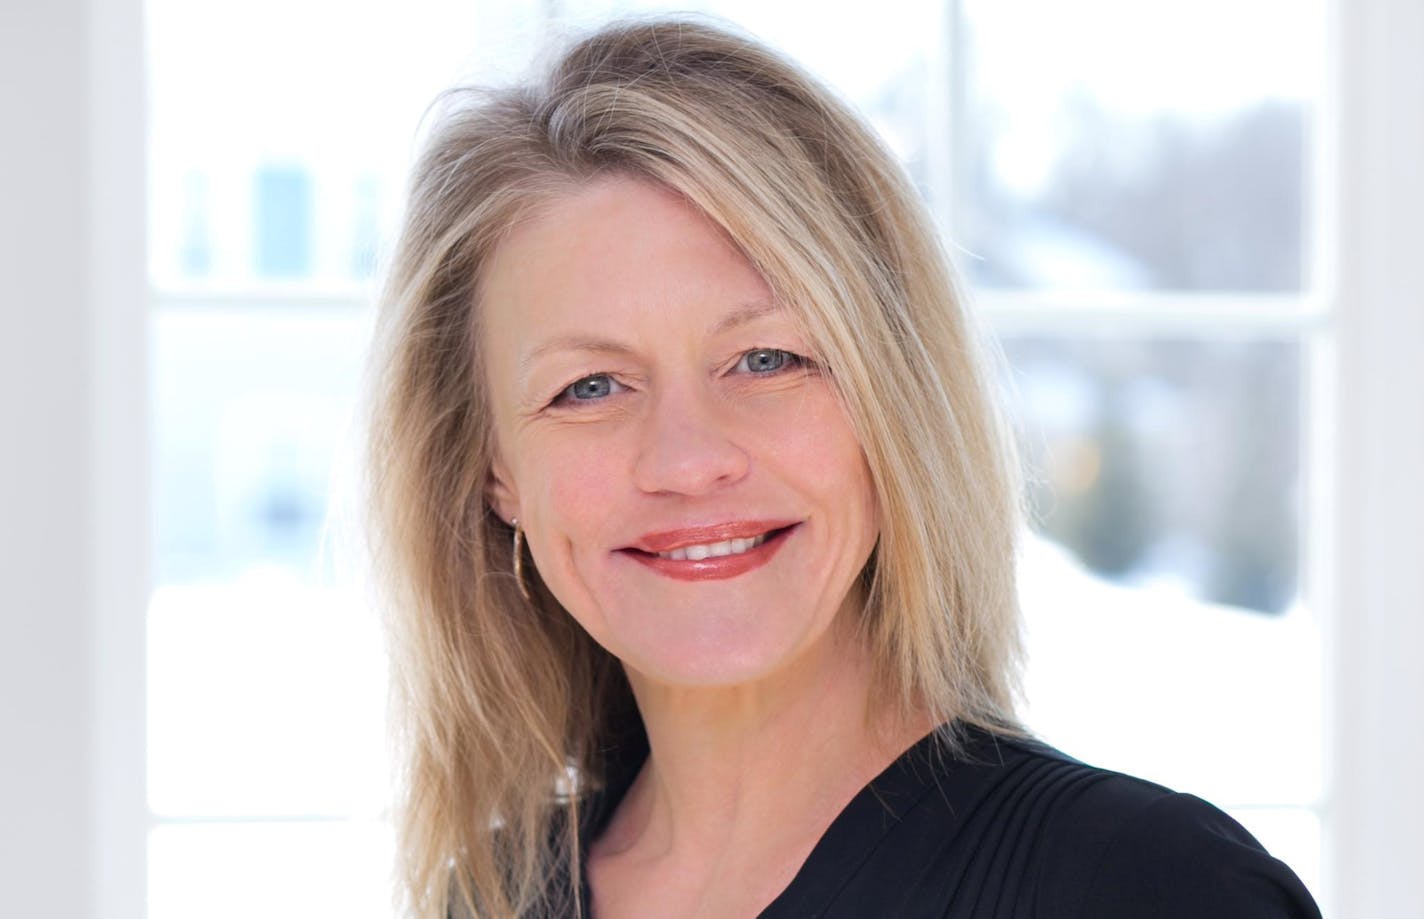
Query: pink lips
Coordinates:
[712,568]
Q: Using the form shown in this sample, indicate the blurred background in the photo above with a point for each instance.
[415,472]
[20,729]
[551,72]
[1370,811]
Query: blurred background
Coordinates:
[1173,217]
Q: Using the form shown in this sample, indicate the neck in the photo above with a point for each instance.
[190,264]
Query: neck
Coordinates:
[764,766]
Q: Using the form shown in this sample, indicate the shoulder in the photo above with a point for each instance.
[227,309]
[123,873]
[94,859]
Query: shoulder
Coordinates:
[970,824]
[1110,845]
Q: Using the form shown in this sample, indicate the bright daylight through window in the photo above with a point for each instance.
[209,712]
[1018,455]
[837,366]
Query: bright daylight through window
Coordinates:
[1133,224]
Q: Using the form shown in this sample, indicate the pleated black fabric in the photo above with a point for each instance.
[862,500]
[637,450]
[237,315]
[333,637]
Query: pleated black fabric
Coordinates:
[1012,829]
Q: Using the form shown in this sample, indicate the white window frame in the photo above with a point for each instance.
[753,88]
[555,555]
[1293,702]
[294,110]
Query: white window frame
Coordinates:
[1374,162]
[1369,450]
[74,542]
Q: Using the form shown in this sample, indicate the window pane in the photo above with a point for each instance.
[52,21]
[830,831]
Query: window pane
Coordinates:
[1166,479]
[277,871]
[264,698]
[1167,463]
[280,131]
[1127,145]
[251,413]
[266,691]
[1204,698]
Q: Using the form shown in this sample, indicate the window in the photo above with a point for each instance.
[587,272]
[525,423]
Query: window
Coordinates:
[1131,191]
[1132,185]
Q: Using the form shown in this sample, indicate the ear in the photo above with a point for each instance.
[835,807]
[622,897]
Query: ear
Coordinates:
[500,491]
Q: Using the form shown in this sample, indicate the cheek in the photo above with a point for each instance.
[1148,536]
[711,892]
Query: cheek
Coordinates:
[578,487]
[579,496]
[818,442]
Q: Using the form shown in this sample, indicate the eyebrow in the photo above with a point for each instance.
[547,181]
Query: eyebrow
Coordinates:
[735,319]
[745,314]
[572,343]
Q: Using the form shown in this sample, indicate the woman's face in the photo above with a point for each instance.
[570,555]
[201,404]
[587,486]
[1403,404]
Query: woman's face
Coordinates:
[689,486]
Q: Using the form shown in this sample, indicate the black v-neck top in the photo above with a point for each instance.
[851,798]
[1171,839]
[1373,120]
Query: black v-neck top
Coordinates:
[1009,828]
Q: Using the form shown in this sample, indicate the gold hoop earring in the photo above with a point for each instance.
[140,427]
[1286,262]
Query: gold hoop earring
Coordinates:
[519,559]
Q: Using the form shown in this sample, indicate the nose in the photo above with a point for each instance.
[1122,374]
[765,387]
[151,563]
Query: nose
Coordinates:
[688,445]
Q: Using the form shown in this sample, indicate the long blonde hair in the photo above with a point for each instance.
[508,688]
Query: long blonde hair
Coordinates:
[505,704]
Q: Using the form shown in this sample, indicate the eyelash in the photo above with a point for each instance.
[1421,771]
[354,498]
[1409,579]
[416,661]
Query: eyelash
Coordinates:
[790,361]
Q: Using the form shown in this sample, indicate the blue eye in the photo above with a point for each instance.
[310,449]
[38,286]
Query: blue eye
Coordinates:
[590,388]
[765,360]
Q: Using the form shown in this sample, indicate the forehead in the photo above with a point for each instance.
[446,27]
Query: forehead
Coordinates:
[610,251]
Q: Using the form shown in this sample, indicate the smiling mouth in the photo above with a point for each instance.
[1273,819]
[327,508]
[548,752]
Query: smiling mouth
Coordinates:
[722,549]
[712,559]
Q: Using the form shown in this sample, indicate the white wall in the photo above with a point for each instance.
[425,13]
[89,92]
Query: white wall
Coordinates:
[72,467]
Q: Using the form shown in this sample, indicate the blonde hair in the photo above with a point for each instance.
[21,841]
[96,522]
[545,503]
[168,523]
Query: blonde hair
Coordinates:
[505,703]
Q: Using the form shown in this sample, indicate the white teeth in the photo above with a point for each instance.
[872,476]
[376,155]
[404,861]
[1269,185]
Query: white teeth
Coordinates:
[714,549]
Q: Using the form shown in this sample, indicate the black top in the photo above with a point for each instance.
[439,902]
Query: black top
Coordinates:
[1012,829]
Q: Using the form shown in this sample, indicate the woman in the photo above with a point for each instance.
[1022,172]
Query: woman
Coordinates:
[700,527]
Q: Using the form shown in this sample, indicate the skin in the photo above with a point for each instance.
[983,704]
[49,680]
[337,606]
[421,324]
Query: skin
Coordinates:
[644,380]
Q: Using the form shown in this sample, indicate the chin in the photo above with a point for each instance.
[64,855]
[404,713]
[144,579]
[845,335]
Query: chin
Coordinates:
[714,652]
